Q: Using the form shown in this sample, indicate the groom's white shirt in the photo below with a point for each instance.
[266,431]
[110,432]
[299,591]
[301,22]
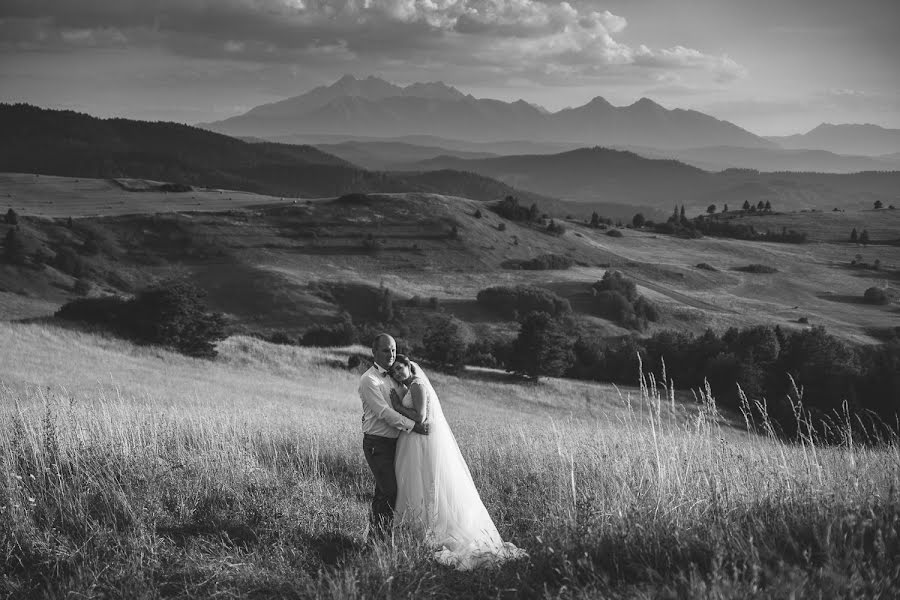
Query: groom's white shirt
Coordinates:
[378,417]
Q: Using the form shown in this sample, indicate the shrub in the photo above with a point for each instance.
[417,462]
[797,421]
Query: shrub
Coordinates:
[281,338]
[876,295]
[67,261]
[501,226]
[541,263]
[756,268]
[14,248]
[555,228]
[706,267]
[477,214]
[342,333]
[170,314]
[614,233]
[11,218]
[542,348]
[522,299]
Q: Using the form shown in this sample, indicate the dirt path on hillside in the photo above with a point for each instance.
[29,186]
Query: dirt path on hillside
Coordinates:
[656,287]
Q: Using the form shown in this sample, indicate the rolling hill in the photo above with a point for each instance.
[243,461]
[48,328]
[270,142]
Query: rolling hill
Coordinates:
[719,158]
[602,175]
[66,143]
[373,107]
[283,266]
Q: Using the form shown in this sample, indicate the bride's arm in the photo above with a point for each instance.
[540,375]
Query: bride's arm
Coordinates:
[418,412]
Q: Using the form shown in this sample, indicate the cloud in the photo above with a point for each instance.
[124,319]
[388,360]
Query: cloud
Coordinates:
[542,40]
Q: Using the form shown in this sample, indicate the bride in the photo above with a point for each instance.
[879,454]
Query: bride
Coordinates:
[435,491]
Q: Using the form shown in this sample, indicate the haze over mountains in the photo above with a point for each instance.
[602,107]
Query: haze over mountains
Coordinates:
[866,139]
[374,107]
[435,116]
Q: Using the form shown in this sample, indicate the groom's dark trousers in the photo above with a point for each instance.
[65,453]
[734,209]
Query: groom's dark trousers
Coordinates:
[380,452]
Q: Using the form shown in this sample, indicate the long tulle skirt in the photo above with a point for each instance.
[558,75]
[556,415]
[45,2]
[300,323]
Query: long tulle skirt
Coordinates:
[436,496]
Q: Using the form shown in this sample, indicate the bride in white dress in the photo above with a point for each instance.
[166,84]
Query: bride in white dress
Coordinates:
[435,491]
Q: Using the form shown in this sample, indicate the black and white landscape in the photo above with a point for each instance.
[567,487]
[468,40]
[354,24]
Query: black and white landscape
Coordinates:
[647,252]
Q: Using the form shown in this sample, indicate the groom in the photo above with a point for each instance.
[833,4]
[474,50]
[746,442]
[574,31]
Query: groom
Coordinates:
[381,426]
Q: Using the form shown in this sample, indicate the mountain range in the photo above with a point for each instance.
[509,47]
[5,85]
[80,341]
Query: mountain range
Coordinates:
[376,108]
[862,139]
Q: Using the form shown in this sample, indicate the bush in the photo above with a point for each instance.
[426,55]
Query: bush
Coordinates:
[541,263]
[756,268]
[614,233]
[14,248]
[542,348]
[281,338]
[522,299]
[11,218]
[555,228]
[170,315]
[706,267]
[342,333]
[876,295]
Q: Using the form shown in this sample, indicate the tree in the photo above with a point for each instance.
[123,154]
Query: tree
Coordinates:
[638,220]
[542,348]
[878,205]
[477,213]
[864,237]
[682,218]
[724,208]
[595,219]
[711,208]
[746,205]
[445,342]
[854,237]
[768,206]
[11,217]
[14,248]
[760,206]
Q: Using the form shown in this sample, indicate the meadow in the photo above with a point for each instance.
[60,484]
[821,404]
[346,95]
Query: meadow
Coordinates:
[134,472]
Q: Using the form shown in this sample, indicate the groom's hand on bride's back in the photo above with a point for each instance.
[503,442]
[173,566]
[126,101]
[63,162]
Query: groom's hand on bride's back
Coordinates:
[420,428]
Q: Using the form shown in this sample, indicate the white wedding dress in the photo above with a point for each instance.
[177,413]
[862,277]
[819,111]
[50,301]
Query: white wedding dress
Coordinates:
[436,494]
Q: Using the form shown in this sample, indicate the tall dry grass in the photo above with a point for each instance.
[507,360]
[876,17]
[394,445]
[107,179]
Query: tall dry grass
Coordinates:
[132,472]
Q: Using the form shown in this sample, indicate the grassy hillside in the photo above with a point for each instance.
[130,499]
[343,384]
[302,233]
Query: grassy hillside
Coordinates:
[165,476]
[261,264]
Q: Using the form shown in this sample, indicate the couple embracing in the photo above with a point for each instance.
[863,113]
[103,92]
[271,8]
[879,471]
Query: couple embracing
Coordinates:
[419,471]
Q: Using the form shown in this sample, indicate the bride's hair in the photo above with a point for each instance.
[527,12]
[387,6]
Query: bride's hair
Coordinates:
[404,360]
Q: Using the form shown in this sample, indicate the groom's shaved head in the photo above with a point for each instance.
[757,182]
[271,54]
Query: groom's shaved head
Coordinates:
[382,338]
[384,349]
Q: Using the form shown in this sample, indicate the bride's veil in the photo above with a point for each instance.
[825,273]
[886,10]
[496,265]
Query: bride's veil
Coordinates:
[434,408]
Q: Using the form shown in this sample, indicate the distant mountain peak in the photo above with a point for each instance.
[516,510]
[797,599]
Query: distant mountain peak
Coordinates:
[646,103]
[598,101]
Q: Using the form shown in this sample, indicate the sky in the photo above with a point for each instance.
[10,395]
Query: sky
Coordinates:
[774,67]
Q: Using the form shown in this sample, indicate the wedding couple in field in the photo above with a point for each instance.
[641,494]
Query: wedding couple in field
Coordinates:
[420,474]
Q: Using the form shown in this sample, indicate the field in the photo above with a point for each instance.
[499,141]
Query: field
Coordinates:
[62,197]
[133,472]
